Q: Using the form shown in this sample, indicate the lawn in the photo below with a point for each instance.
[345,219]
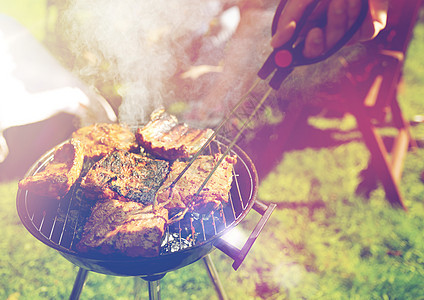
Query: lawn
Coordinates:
[322,241]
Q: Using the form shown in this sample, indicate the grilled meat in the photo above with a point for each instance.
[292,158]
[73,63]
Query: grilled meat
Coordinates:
[127,228]
[125,176]
[214,193]
[56,179]
[101,139]
[164,137]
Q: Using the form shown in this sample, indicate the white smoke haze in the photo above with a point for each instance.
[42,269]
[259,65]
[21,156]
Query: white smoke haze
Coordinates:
[143,42]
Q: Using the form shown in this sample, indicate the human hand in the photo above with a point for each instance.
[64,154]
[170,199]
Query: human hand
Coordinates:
[341,14]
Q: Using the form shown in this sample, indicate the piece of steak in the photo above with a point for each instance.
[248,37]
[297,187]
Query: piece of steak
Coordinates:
[127,228]
[164,137]
[125,176]
[214,193]
[101,139]
[56,179]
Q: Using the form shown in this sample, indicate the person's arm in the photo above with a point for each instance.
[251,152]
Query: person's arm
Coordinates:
[340,16]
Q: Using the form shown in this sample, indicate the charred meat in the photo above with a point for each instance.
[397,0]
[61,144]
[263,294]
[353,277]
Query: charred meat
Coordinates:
[127,228]
[56,179]
[183,194]
[101,139]
[125,176]
[164,137]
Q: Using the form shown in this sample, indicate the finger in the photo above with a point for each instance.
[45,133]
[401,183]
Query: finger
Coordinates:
[290,15]
[283,34]
[378,11]
[367,30]
[337,23]
[314,43]
[354,8]
[375,20]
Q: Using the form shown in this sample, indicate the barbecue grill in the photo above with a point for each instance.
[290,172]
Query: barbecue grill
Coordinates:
[58,224]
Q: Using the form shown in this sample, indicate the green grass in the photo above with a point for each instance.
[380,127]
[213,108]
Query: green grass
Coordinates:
[348,249]
[322,242]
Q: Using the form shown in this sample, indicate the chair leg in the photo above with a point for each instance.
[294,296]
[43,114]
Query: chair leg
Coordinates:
[403,140]
[399,121]
[398,153]
[380,159]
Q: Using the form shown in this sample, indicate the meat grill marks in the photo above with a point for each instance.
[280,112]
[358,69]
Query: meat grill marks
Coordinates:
[126,228]
[215,192]
[56,179]
[125,176]
[101,139]
[164,137]
[122,217]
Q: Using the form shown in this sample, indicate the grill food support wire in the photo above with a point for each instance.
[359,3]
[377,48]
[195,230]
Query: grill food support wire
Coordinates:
[58,224]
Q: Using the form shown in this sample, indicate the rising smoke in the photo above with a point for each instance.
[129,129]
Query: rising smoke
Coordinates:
[145,43]
[142,42]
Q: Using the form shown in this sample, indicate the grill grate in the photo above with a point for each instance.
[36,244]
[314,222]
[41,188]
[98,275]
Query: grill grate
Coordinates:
[59,223]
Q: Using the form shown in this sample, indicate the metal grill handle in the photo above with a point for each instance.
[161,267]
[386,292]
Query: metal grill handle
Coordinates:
[238,255]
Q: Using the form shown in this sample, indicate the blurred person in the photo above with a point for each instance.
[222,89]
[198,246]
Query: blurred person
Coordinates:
[203,54]
[249,47]
[37,88]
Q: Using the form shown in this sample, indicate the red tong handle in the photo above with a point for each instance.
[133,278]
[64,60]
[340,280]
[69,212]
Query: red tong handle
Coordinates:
[238,255]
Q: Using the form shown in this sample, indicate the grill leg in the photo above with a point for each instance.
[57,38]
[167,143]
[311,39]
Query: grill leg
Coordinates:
[213,275]
[78,284]
[154,290]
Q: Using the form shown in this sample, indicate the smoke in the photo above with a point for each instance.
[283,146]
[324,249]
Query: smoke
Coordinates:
[144,47]
[141,45]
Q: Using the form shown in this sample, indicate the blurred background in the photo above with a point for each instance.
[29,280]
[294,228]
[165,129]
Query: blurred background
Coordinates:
[334,234]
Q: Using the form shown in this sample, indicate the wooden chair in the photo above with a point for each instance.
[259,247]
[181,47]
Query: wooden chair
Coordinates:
[369,93]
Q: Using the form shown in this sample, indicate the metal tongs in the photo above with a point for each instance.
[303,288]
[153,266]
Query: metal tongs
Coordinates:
[278,66]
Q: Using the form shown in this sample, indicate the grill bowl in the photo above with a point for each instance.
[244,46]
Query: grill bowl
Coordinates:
[56,224]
